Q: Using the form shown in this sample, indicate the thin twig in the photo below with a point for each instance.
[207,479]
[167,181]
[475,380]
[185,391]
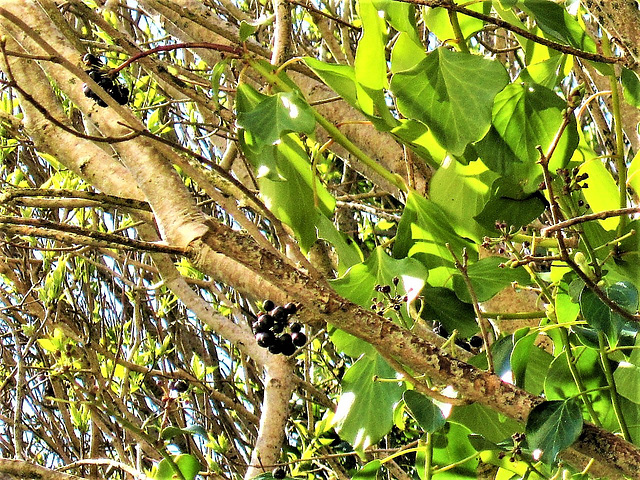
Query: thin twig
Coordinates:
[594,57]
[546,231]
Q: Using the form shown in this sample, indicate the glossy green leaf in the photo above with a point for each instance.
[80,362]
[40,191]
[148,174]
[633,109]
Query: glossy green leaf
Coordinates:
[601,317]
[462,191]
[630,87]
[484,421]
[627,380]
[276,115]
[188,464]
[358,284]
[446,90]
[340,78]
[559,383]
[529,364]
[633,174]
[406,53]
[365,410]
[487,279]
[370,64]
[292,200]
[426,413]
[401,16]
[368,472]
[347,250]
[554,20]
[552,427]
[442,305]
[526,116]
[451,445]
[420,139]
[547,73]
[508,203]
[602,192]
[438,22]
[423,231]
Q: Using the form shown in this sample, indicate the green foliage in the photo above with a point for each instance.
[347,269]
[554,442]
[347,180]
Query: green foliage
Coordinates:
[553,426]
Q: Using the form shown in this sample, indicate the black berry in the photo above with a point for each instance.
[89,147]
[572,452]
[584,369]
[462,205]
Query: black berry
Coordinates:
[295,327]
[268,305]
[265,339]
[266,320]
[299,339]
[291,308]
[476,341]
[179,386]
[279,313]
[279,473]
[440,329]
[278,327]
[275,348]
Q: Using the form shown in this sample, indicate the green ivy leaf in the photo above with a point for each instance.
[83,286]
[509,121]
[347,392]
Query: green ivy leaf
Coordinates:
[488,279]
[554,20]
[423,232]
[442,305]
[446,90]
[553,426]
[365,409]
[188,465]
[601,317]
[630,87]
[528,115]
[462,191]
[358,284]
[368,471]
[488,423]
[508,203]
[276,115]
[428,415]
[292,200]
[340,78]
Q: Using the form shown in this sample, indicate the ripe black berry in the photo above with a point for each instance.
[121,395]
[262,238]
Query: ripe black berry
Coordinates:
[275,348]
[476,341]
[291,308]
[268,305]
[463,344]
[279,473]
[288,349]
[278,327]
[279,313]
[265,339]
[179,386]
[385,289]
[295,327]
[440,329]
[299,339]
[266,320]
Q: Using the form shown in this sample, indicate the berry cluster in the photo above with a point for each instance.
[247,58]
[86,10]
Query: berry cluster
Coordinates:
[388,302]
[118,92]
[270,325]
[471,345]
[572,179]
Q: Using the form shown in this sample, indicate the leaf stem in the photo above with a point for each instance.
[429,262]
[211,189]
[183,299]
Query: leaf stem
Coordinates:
[455,25]
[608,374]
[428,456]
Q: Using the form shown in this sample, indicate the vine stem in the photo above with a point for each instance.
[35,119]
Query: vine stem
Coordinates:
[621,166]
[462,268]
[617,409]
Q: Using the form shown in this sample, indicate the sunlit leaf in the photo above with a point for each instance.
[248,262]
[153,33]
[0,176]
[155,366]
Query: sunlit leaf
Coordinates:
[552,427]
